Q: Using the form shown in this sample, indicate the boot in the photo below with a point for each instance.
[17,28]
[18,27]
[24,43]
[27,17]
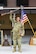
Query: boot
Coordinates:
[14,50]
[19,49]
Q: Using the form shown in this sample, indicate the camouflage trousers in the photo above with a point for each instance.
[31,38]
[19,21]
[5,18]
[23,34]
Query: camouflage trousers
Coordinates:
[16,39]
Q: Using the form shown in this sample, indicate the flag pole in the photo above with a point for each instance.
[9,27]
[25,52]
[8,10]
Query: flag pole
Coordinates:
[31,26]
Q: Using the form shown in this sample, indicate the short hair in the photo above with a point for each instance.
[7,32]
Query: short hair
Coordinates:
[17,15]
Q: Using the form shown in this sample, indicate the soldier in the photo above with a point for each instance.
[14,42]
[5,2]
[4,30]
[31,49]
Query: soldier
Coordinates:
[18,31]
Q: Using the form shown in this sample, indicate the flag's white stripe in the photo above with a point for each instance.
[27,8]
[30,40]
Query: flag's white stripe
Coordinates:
[25,18]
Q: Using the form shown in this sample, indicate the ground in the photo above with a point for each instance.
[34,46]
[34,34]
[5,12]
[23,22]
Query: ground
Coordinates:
[26,49]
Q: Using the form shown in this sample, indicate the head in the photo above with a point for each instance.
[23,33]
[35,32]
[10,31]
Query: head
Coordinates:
[17,18]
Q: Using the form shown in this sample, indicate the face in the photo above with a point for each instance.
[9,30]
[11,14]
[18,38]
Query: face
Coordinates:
[18,19]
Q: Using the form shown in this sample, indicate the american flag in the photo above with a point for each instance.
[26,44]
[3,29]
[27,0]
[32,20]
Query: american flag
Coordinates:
[24,17]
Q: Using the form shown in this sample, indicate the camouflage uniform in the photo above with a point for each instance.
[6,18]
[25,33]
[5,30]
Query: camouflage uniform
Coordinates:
[17,30]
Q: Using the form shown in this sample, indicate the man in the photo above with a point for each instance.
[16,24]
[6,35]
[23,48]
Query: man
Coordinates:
[18,31]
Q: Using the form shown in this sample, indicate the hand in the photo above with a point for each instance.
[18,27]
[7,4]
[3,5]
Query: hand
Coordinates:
[22,34]
[22,23]
[11,11]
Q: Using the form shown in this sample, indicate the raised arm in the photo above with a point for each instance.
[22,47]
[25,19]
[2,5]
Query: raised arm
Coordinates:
[10,16]
[12,19]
